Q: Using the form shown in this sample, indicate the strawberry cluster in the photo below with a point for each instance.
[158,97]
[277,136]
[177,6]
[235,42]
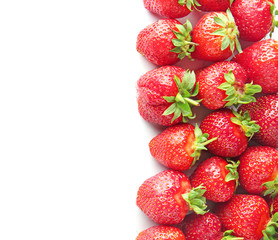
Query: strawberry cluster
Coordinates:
[232,193]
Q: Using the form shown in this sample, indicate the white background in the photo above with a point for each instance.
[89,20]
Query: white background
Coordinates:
[73,148]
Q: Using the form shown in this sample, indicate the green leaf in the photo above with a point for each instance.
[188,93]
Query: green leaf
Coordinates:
[233,173]
[182,43]
[182,29]
[271,188]
[195,199]
[177,114]
[224,86]
[178,82]
[170,99]
[171,109]
[220,32]
[176,50]
[196,90]
[250,89]
[219,21]
[177,42]
[230,77]
[247,125]
[225,43]
[230,15]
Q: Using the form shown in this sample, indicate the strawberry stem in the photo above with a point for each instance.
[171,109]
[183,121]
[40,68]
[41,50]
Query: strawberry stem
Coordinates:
[182,42]
[196,200]
[236,96]
[248,126]
[200,141]
[271,230]
[229,31]
[233,173]
[182,102]
[272,188]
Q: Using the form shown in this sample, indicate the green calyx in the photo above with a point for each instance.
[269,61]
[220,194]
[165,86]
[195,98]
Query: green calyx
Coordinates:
[189,4]
[227,235]
[249,127]
[272,188]
[274,13]
[182,102]
[200,141]
[271,230]
[183,45]
[195,199]
[233,173]
[236,96]
[228,30]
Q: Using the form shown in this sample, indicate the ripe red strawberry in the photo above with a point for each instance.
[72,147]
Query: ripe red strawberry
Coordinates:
[224,84]
[216,36]
[272,203]
[163,95]
[258,170]
[260,62]
[204,227]
[167,196]
[165,41]
[161,233]
[265,113]
[232,131]
[247,216]
[253,18]
[179,147]
[170,8]
[214,5]
[218,177]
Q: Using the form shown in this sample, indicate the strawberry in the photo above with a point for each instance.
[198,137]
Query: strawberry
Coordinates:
[260,62]
[216,37]
[223,84]
[165,41]
[204,227]
[161,233]
[258,170]
[214,5]
[179,147]
[170,8]
[272,203]
[254,18]
[218,177]
[248,217]
[163,95]
[167,196]
[265,113]
[232,131]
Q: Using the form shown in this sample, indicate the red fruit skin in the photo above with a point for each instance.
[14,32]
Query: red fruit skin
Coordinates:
[202,227]
[155,42]
[212,77]
[253,18]
[265,112]
[151,88]
[273,202]
[159,197]
[167,8]
[246,215]
[258,165]
[209,46]
[173,146]
[260,62]
[231,140]
[211,173]
[161,233]
[214,5]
